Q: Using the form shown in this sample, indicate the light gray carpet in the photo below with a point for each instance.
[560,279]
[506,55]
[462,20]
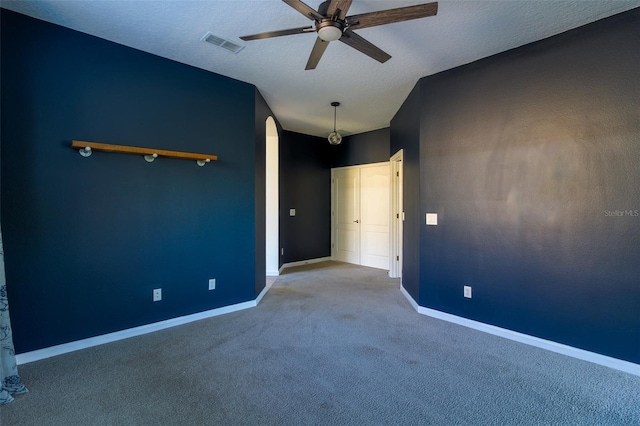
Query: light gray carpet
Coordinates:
[330,344]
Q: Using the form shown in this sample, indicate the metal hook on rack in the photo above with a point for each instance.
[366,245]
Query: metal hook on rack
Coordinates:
[150,158]
[86,151]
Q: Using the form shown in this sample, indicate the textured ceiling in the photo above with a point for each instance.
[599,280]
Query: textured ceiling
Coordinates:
[370,92]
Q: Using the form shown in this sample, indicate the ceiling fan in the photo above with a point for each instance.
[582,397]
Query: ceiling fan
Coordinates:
[332,23]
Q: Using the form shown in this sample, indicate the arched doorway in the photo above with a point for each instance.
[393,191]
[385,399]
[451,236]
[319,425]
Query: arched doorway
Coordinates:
[271,201]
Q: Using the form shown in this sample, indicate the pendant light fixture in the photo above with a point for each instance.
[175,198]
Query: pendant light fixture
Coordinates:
[334,137]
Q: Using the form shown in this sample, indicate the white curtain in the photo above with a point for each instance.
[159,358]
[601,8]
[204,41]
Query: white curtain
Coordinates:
[10,383]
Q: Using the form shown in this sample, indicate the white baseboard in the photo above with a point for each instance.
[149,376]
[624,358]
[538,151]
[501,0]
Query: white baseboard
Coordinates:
[264,290]
[273,273]
[39,354]
[604,360]
[305,262]
[406,294]
[618,364]
[262,293]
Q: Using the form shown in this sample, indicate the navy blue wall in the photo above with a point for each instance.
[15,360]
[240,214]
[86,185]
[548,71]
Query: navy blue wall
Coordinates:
[363,148]
[405,135]
[305,185]
[87,239]
[530,158]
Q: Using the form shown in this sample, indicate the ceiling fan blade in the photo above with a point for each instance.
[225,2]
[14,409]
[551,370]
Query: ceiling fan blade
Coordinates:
[341,5]
[279,33]
[323,9]
[354,40]
[390,16]
[316,53]
[304,9]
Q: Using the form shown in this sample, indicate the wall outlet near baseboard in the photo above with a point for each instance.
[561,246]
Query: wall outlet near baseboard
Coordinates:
[212,284]
[157,294]
[467,291]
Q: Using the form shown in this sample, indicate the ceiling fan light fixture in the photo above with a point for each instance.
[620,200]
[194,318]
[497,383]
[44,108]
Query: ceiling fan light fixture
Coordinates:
[335,138]
[329,30]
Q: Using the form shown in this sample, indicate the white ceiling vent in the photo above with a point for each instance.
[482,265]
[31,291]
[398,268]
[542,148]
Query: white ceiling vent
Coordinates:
[219,41]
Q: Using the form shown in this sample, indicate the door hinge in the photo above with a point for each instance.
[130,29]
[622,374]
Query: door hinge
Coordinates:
[397,215]
[332,245]
[398,258]
[398,174]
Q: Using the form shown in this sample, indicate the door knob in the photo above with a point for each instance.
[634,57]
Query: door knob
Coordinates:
[356,221]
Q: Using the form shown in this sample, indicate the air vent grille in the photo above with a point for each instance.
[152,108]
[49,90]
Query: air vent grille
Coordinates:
[221,42]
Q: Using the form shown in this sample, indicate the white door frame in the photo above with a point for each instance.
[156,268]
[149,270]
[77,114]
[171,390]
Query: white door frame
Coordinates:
[271,198]
[397,216]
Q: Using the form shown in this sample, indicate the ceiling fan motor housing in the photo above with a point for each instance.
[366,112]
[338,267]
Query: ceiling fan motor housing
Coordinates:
[329,30]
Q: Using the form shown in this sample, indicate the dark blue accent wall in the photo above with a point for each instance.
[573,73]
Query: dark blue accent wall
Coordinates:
[530,158]
[87,239]
[363,148]
[405,135]
[305,185]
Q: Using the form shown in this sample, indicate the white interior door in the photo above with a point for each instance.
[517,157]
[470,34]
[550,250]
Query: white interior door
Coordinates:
[374,216]
[360,221]
[346,215]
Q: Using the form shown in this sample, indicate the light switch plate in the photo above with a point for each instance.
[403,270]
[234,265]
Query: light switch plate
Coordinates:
[467,291]
[292,212]
[432,218]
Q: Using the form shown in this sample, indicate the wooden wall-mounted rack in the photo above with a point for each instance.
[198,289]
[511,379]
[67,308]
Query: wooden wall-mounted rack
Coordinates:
[150,154]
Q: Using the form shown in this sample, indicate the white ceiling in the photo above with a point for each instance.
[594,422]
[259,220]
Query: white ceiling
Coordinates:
[370,92]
